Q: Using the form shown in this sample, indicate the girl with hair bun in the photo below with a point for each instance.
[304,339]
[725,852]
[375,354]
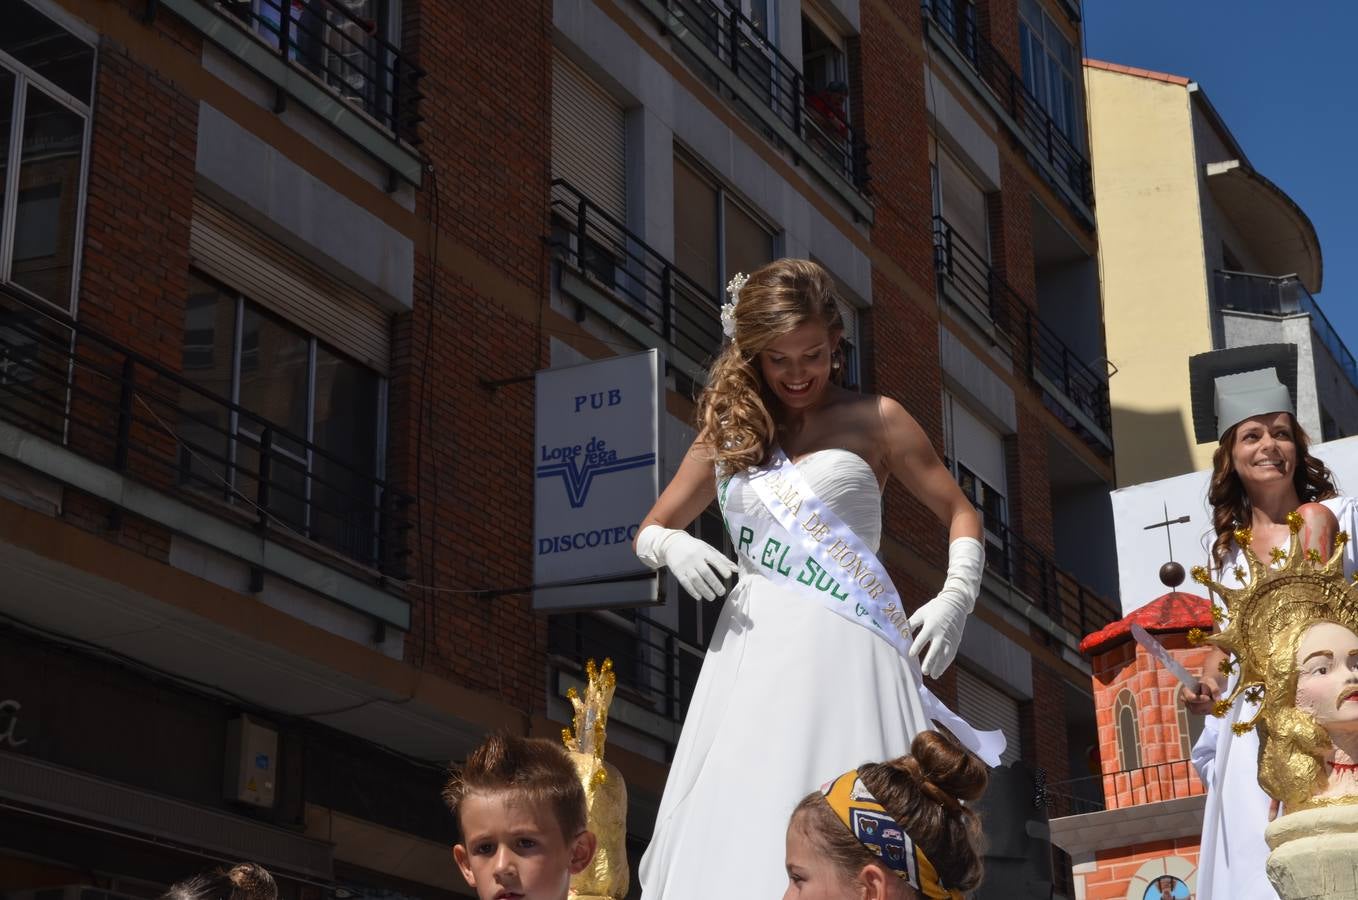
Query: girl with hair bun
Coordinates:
[896,830]
[815,658]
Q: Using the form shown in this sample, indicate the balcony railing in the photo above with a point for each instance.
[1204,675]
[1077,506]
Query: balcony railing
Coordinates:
[1119,790]
[344,52]
[1075,392]
[79,389]
[1059,594]
[657,669]
[955,20]
[652,291]
[1284,295]
[751,58]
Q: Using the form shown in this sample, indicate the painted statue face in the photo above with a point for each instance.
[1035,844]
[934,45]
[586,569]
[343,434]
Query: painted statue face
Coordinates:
[1327,676]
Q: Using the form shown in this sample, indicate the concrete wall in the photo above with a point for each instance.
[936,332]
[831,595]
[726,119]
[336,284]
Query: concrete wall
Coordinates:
[1154,270]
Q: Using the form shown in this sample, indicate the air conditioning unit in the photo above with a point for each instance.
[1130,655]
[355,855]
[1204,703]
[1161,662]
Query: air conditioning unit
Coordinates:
[251,762]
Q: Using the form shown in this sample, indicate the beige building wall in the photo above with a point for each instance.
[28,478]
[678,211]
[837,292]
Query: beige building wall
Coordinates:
[1155,290]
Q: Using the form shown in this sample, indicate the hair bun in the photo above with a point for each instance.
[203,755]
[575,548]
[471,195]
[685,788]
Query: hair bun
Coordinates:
[947,767]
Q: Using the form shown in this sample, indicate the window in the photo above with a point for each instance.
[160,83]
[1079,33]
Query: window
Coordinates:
[825,77]
[962,203]
[957,18]
[46,86]
[715,236]
[1050,68]
[1128,736]
[319,413]
[974,453]
[989,708]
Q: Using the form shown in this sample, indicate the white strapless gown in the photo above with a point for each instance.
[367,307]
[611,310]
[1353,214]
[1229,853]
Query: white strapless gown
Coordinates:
[790,696]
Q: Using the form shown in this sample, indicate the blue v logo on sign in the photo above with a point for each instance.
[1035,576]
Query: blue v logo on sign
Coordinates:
[577,465]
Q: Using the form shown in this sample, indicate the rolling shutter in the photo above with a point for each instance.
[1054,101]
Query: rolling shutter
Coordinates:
[990,709]
[589,138]
[237,255]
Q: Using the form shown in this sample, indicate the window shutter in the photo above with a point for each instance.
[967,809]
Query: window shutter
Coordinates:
[589,138]
[990,709]
[237,255]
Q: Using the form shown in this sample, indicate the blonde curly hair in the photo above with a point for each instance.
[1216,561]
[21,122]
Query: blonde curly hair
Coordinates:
[734,415]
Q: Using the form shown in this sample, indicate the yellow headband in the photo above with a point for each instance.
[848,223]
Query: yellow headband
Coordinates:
[874,828]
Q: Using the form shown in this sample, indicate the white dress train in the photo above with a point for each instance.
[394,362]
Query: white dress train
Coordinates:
[790,696]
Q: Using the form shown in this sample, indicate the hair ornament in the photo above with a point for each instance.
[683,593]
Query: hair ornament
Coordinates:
[728,309]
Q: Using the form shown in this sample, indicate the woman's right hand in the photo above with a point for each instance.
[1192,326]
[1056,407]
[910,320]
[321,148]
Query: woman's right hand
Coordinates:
[700,568]
[1201,701]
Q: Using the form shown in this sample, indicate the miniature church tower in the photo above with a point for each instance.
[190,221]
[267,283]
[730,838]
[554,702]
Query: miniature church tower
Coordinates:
[1139,839]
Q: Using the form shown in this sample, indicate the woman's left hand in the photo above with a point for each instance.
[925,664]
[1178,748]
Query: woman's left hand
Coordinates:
[939,622]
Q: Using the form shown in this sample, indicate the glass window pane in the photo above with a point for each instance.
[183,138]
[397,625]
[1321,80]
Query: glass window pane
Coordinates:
[209,346]
[49,198]
[749,244]
[48,49]
[7,89]
[273,388]
[273,372]
[695,227]
[346,425]
[1026,52]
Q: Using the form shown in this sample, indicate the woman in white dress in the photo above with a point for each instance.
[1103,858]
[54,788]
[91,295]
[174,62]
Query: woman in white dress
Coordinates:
[791,687]
[1262,470]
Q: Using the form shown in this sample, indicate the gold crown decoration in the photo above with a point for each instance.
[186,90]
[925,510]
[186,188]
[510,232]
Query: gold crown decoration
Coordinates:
[606,877]
[591,713]
[1265,619]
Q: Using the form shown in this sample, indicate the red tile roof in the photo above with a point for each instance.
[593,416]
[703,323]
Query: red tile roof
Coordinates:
[1172,612]
[1140,73]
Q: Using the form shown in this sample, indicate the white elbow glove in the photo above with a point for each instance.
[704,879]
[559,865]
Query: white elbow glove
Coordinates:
[939,622]
[699,567]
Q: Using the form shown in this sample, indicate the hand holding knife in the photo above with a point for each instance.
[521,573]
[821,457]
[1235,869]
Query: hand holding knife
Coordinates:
[1202,693]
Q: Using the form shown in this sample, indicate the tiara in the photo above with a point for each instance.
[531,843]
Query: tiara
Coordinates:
[728,309]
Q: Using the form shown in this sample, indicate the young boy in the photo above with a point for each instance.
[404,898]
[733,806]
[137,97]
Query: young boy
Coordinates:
[521,810]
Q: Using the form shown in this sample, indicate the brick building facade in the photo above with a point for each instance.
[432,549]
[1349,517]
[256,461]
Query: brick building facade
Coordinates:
[264,450]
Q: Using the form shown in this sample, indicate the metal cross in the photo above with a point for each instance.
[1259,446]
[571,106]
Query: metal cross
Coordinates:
[1165,525]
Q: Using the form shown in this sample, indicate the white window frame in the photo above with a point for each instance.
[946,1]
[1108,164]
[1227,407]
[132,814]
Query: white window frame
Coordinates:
[1036,45]
[24,77]
[235,430]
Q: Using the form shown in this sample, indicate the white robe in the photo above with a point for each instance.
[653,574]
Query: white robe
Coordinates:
[1233,853]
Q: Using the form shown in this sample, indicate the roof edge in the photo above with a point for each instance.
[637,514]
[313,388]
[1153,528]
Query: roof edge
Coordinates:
[1138,72]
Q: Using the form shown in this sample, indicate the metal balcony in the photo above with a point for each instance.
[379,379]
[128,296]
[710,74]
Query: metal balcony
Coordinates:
[954,23]
[1151,783]
[82,391]
[649,292]
[1074,391]
[1283,295]
[345,53]
[726,45]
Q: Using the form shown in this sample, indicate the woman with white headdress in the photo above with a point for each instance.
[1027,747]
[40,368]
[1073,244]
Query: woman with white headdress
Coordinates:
[1262,471]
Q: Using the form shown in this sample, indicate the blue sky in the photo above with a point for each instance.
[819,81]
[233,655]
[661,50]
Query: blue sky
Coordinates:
[1285,79]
